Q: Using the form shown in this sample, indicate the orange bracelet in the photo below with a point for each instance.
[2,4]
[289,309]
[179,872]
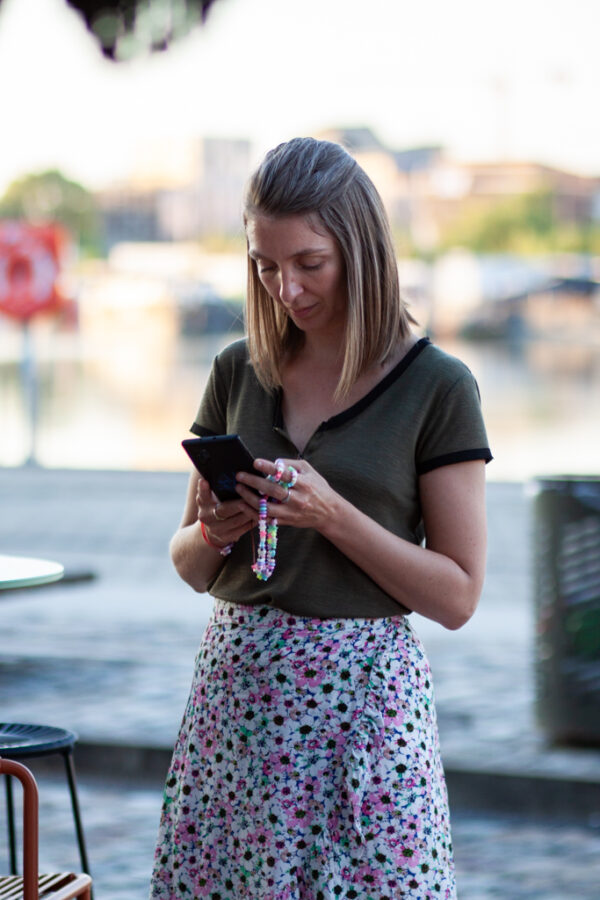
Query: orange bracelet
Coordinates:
[224,551]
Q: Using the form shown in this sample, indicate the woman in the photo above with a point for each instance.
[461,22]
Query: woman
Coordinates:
[308,763]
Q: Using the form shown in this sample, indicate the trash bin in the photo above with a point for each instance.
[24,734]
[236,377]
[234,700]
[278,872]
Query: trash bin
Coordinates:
[566,579]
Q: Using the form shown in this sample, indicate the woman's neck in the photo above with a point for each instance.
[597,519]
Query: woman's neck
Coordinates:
[322,350]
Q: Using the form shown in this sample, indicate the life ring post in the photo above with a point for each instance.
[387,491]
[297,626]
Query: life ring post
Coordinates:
[30,386]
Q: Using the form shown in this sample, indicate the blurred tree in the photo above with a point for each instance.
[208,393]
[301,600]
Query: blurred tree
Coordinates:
[49,196]
[523,224]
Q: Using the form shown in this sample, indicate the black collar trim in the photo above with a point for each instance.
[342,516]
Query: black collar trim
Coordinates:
[365,401]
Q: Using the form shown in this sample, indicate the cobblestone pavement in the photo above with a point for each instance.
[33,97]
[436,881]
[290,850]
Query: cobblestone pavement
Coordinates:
[497,857]
[109,652]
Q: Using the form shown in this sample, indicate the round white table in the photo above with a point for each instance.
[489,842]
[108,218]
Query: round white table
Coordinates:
[25,571]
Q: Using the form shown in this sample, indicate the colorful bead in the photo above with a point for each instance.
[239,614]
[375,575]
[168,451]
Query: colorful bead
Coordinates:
[292,479]
[267,528]
[267,547]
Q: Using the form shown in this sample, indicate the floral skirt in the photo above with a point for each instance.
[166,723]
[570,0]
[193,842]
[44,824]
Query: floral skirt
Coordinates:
[307,766]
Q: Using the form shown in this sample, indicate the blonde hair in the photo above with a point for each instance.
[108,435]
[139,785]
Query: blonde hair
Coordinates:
[320,180]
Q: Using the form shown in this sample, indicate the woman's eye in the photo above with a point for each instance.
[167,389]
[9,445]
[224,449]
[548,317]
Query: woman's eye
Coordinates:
[311,268]
[263,269]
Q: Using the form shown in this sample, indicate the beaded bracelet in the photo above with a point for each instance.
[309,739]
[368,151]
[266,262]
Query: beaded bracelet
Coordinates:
[224,551]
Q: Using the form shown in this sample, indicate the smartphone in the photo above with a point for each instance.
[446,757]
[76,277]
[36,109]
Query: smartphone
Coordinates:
[218,458]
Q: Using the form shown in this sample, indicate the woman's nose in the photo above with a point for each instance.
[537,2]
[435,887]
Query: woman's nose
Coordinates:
[289,288]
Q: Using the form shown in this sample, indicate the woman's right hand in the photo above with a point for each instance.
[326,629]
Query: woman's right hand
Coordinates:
[224,522]
[194,559]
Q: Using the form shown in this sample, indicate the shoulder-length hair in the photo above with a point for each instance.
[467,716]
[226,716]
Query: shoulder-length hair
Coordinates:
[320,180]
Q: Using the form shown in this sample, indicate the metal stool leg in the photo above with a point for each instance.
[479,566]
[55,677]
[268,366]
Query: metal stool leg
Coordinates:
[70,769]
[10,823]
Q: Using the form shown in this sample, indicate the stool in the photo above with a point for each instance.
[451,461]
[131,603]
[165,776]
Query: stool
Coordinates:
[19,741]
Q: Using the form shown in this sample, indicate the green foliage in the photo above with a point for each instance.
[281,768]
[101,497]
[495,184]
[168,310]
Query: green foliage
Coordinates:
[50,197]
[527,223]
[404,242]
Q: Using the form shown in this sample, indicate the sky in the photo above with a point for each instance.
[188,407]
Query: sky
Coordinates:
[517,79]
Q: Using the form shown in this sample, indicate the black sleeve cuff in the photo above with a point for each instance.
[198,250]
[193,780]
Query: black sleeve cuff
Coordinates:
[448,459]
[201,432]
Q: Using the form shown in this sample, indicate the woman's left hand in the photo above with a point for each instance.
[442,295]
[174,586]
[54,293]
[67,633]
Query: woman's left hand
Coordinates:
[441,581]
[306,504]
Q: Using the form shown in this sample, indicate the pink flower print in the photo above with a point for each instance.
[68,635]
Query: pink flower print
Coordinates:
[210,854]
[281,763]
[307,674]
[333,825]
[270,696]
[185,832]
[411,823]
[406,855]
[207,745]
[393,716]
[310,786]
[383,801]
[262,836]
[299,815]
[292,711]
[369,876]
[405,848]
[335,744]
[203,887]
[310,771]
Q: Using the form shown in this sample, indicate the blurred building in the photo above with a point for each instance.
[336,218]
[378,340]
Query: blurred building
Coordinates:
[180,190]
[425,190]
[401,177]
[190,189]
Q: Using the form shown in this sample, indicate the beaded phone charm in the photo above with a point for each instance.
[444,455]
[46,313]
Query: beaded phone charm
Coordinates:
[267,528]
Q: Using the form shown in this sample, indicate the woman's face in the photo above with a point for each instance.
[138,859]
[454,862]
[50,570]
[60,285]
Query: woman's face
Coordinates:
[302,269]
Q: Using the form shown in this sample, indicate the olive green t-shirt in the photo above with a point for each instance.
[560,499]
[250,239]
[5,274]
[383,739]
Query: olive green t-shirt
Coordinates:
[425,413]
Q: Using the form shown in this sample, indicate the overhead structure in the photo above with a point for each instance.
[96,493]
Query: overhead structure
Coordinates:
[125,29]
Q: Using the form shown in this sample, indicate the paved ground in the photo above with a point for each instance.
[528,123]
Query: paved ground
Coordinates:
[498,857]
[111,657]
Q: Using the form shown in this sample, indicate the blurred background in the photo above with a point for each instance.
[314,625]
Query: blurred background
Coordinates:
[128,130]
[475,121]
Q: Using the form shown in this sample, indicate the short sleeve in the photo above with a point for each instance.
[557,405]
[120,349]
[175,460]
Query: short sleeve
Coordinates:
[211,416]
[454,430]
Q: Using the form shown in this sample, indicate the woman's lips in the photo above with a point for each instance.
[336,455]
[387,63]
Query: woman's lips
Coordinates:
[302,312]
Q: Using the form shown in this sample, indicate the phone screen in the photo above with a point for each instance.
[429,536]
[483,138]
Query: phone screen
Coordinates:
[218,458]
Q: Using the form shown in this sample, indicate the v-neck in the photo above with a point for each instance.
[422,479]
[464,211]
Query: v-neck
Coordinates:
[356,408]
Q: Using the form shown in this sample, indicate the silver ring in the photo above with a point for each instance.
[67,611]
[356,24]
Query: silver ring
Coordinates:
[286,499]
[218,518]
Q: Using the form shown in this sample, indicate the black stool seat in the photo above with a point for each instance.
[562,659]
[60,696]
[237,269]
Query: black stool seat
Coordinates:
[17,739]
[21,740]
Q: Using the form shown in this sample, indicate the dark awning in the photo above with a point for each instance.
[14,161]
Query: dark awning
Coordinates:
[125,29]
